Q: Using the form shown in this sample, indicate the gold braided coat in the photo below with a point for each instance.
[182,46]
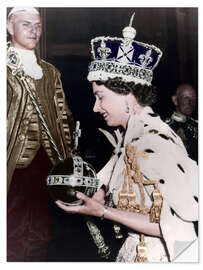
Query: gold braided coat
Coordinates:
[24,131]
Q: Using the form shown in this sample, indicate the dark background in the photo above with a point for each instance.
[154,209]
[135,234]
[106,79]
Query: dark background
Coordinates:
[65,42]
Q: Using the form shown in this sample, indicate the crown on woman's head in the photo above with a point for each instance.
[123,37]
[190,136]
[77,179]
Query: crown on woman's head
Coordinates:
[123,57]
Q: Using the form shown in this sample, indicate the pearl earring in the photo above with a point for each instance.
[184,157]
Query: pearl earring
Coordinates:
[127,109]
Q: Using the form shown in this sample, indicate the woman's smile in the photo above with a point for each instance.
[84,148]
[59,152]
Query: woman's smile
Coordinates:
[105,115]
[110,105]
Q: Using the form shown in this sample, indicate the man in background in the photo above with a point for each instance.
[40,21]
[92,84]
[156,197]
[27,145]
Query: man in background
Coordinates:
[181,120]
[31,152]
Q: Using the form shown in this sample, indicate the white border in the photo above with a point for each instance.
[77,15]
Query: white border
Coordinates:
[79,3]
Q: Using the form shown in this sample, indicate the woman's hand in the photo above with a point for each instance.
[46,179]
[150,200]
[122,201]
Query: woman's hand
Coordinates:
[95,207]
[92,206]
[99,196]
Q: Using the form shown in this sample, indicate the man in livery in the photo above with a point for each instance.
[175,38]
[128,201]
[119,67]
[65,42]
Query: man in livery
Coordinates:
[39,134]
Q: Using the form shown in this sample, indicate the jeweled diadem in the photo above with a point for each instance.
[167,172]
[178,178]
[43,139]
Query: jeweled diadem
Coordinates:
[123,57]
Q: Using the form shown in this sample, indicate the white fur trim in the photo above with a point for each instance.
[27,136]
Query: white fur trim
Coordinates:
[104,76]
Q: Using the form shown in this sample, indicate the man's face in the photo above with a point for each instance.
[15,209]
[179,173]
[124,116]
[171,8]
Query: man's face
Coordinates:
[25,29]
[186,101]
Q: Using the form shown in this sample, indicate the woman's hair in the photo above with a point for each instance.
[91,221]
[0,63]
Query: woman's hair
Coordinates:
[145,95]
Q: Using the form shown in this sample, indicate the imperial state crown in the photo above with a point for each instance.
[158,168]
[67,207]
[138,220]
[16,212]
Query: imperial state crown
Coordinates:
[123,57]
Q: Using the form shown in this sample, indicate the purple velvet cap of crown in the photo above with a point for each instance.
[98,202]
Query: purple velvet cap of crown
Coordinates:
[136,55]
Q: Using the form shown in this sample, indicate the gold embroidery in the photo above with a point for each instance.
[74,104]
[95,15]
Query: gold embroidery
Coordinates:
[141,251]
[127,195]
[155,210]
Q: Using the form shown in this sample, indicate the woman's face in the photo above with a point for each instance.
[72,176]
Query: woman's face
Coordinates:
[111,106]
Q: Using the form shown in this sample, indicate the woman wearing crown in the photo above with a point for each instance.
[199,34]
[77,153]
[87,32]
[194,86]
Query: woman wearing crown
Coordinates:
[150,184]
